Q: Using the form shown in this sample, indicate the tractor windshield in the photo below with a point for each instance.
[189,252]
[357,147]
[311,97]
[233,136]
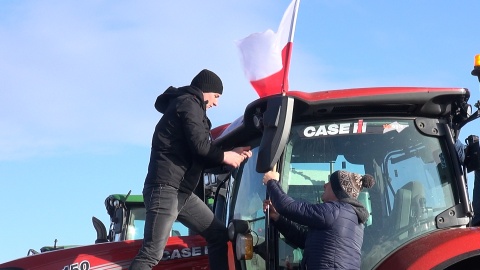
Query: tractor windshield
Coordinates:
[413,179]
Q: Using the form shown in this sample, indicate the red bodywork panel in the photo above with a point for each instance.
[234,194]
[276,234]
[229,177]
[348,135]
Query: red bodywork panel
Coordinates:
[186,252]
[371,91]
[356,96]
[219,130]
[436,250]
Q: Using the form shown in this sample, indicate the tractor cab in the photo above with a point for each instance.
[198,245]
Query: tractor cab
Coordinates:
[405,137]
[127,220]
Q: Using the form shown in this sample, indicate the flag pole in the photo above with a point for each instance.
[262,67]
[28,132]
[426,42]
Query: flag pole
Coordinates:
[288,52]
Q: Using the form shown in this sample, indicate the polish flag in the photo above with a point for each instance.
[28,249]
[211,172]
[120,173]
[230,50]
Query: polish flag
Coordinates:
[266,56]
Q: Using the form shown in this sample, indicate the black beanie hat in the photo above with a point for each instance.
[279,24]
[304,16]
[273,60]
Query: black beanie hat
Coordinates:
[208,82]
[348,185]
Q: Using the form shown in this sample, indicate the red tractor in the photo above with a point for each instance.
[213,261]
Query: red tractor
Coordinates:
[403,136]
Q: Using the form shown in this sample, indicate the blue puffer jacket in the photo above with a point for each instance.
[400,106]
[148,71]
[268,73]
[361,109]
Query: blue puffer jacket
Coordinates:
[331,233]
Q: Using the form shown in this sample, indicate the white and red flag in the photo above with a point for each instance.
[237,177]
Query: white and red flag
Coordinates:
[266,56]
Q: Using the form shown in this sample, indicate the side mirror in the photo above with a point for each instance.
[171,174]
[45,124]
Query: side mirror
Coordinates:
[237,226]
[119,220]
[277,122]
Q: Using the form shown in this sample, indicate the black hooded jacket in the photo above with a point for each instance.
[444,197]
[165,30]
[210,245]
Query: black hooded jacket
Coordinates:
[181,143]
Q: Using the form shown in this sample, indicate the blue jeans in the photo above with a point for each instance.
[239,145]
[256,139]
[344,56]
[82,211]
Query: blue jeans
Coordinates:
[164,205]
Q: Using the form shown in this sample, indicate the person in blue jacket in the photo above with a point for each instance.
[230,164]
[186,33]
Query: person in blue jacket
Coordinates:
[460,147]
[330,233]
[476,199]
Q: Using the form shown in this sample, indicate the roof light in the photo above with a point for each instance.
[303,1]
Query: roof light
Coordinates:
[476,67]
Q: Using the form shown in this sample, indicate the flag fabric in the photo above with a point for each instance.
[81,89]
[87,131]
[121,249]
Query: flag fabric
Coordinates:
[266,56]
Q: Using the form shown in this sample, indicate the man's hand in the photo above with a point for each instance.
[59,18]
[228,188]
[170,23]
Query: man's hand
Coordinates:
[244,151]
[233,159]
[237,156]
[268,206]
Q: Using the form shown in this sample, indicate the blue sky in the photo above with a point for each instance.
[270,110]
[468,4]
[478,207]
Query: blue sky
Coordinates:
[78,80]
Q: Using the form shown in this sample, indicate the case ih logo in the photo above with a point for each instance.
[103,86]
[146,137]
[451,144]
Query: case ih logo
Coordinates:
[184,253]
[335,129]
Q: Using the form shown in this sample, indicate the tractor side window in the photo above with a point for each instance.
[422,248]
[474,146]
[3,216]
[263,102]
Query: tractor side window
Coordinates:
[249,193]
[417,186]
[136,225]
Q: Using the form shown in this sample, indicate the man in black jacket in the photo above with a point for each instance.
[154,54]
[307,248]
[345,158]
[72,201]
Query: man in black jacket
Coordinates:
[181,149]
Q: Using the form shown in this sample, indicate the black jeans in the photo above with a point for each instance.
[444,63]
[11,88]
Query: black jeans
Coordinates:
[164,205]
